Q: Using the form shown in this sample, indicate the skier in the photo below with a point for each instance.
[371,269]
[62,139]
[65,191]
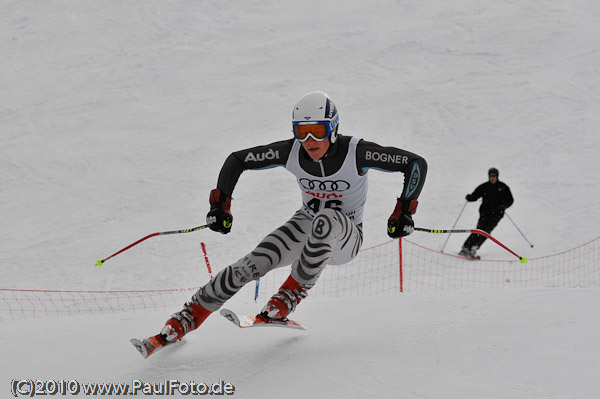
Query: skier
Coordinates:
[496,197]
[331,172]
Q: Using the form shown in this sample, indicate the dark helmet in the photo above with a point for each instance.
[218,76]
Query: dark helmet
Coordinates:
[493,171]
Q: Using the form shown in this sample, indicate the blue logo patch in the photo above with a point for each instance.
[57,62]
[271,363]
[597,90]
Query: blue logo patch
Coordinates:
[415,177]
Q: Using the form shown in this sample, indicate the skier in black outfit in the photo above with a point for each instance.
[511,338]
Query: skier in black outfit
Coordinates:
[496,197]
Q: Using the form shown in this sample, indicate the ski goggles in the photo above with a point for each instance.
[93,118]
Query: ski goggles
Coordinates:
[319,131]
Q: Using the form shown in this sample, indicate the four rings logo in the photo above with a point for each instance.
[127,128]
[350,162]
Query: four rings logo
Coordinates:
[324,185]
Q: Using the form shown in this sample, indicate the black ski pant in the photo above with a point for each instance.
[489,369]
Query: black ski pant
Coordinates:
[486,223]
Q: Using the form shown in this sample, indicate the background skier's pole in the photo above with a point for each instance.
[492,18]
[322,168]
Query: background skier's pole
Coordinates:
[454,225]
[518,229]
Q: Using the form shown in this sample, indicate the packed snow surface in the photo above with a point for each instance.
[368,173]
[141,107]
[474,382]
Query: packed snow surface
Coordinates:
[116,117]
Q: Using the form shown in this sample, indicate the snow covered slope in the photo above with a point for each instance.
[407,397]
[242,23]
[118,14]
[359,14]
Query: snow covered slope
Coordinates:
[115,118]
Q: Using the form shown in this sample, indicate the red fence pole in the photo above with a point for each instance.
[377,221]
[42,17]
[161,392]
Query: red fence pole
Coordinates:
[400,261]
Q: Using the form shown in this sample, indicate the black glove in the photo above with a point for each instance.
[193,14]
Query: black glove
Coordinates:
[470,198]
[219,217]
[400,223]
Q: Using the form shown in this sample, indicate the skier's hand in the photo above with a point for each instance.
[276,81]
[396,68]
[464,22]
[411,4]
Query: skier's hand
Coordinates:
[219,218]
[470,198]
[400,223]
[401,227]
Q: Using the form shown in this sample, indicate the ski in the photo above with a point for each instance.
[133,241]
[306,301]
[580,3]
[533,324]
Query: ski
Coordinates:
[243,321]
[148,346]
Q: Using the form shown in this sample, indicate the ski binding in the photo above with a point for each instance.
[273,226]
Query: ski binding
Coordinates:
[243,321]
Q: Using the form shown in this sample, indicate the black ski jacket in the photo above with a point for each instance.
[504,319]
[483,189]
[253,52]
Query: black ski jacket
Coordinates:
[368,156]
[496,198]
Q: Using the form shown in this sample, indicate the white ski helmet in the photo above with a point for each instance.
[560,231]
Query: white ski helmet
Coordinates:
[315,108]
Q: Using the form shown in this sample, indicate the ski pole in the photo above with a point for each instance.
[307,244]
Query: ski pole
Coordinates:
[454,225]
[100,262]
[518,229]
[473,231]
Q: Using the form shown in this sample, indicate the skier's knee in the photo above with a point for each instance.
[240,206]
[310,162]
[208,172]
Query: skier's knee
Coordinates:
[326,224]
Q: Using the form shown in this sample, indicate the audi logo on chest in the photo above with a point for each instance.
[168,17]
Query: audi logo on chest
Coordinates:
[324,185]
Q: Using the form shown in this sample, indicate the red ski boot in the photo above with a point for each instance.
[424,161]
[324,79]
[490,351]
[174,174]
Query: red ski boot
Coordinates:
[283,302]
[180,323]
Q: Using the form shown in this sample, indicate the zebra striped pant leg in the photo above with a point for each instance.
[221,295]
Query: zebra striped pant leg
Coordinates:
[333,239]
[280,248]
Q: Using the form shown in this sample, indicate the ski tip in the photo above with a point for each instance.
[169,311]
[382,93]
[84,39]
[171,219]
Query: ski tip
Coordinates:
[139,345]
[231,316]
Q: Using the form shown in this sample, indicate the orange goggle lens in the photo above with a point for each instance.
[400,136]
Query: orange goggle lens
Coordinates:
[318,131]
